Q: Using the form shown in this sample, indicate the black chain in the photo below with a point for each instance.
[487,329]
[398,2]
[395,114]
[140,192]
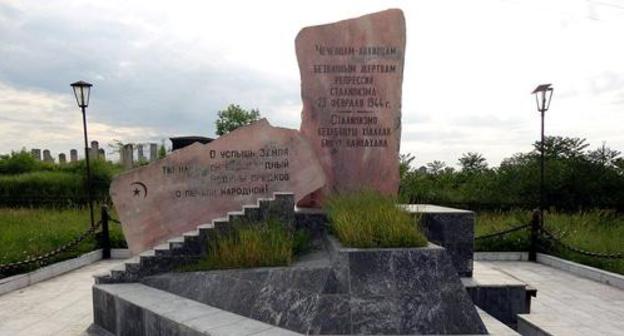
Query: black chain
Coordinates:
[502,233]
[567,246]
[53,253]
[113,220]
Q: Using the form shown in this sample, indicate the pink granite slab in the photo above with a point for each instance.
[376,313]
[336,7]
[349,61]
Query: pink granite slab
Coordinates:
[196,184]
[351,80]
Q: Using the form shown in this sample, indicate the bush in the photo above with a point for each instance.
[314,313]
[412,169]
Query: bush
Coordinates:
[61,186]
[368,220]
[18,163]
[249,245]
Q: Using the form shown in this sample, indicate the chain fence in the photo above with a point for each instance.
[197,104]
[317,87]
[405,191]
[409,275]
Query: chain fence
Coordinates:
[503,233]
[578,250]
[549,236]
[44,257]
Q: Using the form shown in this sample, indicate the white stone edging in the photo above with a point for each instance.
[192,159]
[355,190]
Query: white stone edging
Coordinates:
[501,256]
[44,273]
[592,273]
[584,271]
[120,253]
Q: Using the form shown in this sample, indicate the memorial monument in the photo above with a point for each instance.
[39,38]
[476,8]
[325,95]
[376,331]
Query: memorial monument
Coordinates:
[171,209]
[351,80]
[202,182]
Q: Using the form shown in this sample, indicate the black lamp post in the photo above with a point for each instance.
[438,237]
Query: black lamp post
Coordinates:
[81,91]
[543,95]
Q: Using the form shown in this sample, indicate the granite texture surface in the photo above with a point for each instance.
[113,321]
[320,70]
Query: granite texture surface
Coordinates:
[450,228]
[454,231]
[342,291]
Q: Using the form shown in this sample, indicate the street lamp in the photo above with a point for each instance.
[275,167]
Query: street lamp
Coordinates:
[82,91]
[543,95]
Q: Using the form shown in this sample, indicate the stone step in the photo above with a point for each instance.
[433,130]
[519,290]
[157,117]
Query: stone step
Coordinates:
[527,328]
[121,307]
[162,250]
[132,301]
[191,234]
[207,226]
[187,243]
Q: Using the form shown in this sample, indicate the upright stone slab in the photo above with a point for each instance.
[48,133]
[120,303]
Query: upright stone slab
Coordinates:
[36,153]
[199,183]
[153,148]
[73,155]
[351,80]
[127,156]
[94,151]
[62,159]
[47,157]
[140,155]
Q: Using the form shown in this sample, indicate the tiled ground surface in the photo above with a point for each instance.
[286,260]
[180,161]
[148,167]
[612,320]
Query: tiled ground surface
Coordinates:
[59,306]
[566,304]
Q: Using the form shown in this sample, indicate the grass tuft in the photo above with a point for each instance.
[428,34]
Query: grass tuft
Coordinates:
[250,245]
[370,220]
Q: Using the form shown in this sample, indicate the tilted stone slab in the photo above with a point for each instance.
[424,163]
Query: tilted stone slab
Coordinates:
[351,82]
[199,183]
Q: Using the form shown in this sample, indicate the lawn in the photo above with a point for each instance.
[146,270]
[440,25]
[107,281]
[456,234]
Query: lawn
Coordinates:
[597,231]
[33,232]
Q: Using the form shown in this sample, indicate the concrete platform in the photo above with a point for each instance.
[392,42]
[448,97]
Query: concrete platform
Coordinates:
[150,311]
[346,291]
[58,306]
[566,304]
[499,294]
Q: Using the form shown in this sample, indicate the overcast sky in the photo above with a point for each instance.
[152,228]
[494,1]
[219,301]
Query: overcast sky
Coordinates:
[164,68]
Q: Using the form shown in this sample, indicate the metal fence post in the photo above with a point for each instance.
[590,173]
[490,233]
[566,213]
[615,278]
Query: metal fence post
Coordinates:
[106,246]
[535,226]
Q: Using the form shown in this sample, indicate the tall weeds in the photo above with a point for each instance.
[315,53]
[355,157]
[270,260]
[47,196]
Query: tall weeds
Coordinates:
[368,219]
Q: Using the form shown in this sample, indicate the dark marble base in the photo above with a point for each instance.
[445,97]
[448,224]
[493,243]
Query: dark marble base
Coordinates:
[342,291]
[504,302]
[450,228]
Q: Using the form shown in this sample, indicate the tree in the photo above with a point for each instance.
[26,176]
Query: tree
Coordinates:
[562,147]
[436,167]
[604,155]
[473,162]
[162,151]
[405,164]
[234,117]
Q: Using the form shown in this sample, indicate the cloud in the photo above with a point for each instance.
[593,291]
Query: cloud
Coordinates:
[163,70]
[144,78]
[38,119]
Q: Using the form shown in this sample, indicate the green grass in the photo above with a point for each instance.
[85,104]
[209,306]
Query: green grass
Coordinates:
[56,185]
[371,220]
[596,231]
[32,232]
[251,245]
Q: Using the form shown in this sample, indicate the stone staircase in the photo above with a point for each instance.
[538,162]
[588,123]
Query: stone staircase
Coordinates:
[192,245]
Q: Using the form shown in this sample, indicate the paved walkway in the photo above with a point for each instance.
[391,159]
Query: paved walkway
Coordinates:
[59,306]
[566,304]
